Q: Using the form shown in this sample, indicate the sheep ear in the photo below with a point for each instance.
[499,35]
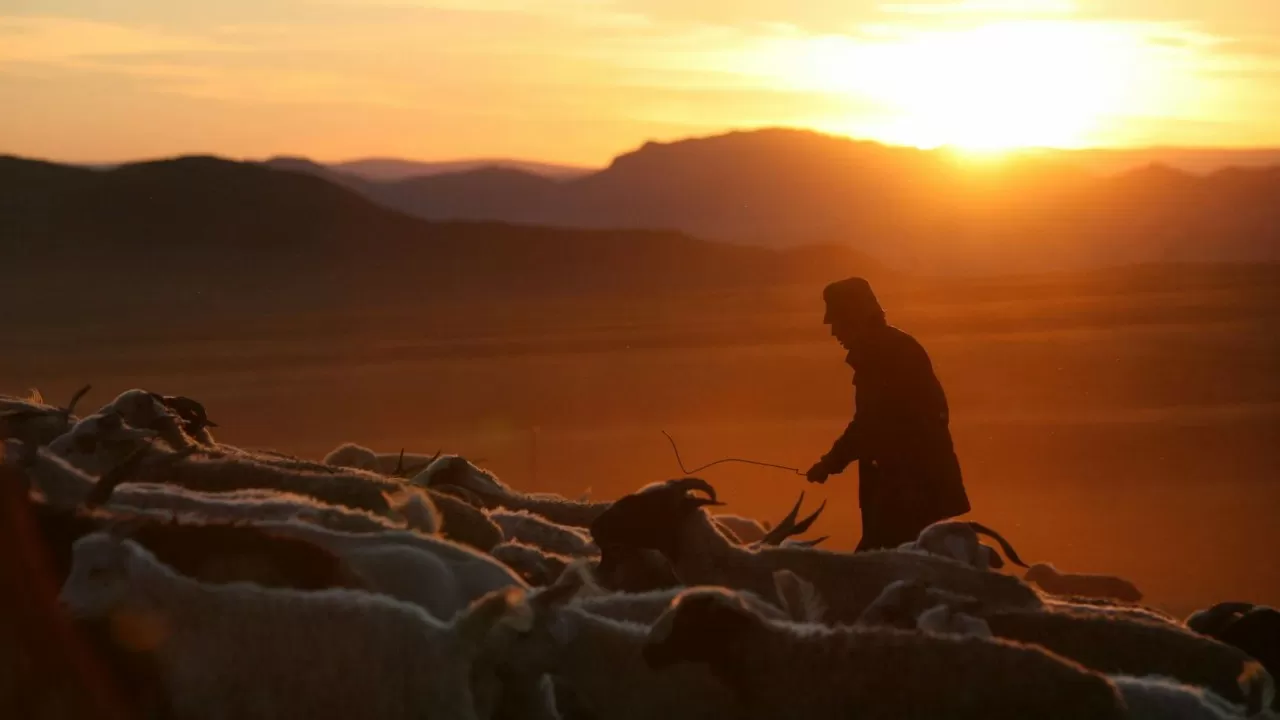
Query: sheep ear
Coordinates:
[798,596]
[34,396]
[574,579]
[507,607]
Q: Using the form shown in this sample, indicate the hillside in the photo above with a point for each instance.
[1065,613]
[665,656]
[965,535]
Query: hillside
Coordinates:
[922,210]
[201,234]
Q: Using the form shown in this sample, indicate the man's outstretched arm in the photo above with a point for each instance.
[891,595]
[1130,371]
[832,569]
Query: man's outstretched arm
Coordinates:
[843,452]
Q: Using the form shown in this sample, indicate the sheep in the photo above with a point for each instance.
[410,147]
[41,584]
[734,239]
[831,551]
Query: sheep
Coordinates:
[536,530]
[1108,644]
[536,566]
[352,455]
[353,489]
[215,552]
[1254,630]
[1095,586]
[1212,621]
[1165,699]
[600,662]
[666,517]
[456,471]
[100,441]
[810,671]
[69,487]
[249,652]
[251,505]
[464,523]
[958,540]
[32,421]
[795,602]
[742,530]
[945,619]
[432,572]
[142,409]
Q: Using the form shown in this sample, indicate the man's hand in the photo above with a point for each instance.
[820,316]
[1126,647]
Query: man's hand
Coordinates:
[818,473]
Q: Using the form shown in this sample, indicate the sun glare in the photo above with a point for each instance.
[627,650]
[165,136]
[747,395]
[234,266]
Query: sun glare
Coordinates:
[996,87]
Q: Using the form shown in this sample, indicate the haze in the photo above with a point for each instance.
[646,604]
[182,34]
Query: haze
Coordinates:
[577,81]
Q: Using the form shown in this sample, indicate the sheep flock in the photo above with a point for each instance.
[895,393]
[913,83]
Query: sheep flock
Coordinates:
[154,572]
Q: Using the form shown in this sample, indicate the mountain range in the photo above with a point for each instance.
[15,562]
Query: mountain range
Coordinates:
[924,211]
[207,235]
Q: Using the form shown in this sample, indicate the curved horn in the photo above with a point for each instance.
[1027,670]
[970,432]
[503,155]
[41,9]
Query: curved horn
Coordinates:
[785,528]
[803,526]
[693,483]
[413,471]
[71,406]
[814,542]
[1004,544]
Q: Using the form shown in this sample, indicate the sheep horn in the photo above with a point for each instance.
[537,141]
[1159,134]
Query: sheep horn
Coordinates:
[1009,552]
[71,406]
[785,528]
[689,484]
[814,542]
[803,526]
[412,472]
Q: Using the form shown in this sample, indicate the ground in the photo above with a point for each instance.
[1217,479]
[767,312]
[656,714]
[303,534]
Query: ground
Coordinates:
[1120,424]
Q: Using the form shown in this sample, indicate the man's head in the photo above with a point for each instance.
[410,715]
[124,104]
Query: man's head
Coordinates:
[852,310]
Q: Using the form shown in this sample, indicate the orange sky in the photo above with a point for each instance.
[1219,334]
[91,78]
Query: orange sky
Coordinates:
[578,81]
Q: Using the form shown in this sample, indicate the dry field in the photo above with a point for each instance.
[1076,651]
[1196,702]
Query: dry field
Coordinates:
[1117,424]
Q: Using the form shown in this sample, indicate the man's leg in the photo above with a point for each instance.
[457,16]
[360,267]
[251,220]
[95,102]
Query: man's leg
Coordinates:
[883,528]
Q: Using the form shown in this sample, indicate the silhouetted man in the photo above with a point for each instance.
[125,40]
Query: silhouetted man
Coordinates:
[909,476]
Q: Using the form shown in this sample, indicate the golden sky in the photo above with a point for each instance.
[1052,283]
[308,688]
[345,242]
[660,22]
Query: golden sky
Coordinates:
[579,81]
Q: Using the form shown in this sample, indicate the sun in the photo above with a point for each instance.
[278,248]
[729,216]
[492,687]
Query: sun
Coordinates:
[989,88]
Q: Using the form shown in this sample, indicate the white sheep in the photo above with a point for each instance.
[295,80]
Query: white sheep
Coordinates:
[795,600]
[666,517]
[958,540]
[66,486]
[401,464]
[789,670]
[35,422]
[1106,643]
[1094,586]
[742,529]
[432,572]
[600,661]
[241,650]
[531,529]
[451,470]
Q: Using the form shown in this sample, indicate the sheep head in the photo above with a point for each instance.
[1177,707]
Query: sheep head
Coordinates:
[533,637]
[191,412]
[100,571]
[703,625]
[902,602]
[652,518]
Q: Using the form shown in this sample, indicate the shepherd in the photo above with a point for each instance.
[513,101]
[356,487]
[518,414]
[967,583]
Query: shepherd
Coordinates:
[909,475]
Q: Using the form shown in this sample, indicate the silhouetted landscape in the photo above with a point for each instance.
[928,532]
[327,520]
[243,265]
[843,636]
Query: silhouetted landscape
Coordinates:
[927,211]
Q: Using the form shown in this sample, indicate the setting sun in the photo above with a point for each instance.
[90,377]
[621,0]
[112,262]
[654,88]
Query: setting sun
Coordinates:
[994,87]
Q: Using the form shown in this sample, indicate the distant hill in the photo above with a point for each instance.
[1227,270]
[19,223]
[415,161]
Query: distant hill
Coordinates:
[927,211]
[384,169]
[203,235]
